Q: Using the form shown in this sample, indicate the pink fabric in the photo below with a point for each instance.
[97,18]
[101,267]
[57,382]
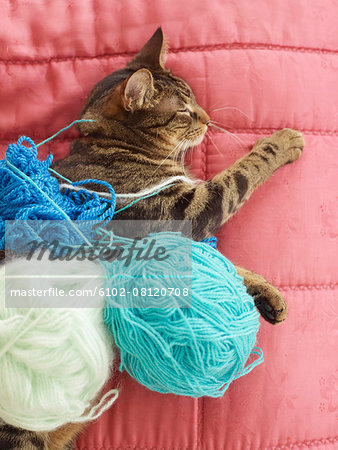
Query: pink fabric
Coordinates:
[277,62]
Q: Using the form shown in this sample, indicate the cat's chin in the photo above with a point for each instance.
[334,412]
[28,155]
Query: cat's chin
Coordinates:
[197,141]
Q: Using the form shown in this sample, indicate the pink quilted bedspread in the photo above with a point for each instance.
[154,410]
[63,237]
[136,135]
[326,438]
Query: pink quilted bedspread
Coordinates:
[276,61]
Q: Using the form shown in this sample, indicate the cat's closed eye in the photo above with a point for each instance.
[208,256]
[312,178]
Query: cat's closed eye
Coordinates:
[187,111]
[183,110]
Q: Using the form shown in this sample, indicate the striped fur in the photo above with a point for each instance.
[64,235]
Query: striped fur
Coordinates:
[12,438]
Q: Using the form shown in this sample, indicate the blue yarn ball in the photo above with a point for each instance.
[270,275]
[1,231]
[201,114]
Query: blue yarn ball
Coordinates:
[30,192]
[194,351]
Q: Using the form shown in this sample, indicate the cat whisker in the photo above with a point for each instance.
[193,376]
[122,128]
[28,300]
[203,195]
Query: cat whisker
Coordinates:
[178,149]
[214,143]
[174,160]
[217,123]
[183,156]
[185,149]
[217,127]
[231,107]
[172,151]
[188,154]
[178,152]
[220,124]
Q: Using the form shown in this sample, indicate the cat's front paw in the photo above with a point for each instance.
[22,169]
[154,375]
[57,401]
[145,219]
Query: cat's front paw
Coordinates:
[269,302]
[287,143]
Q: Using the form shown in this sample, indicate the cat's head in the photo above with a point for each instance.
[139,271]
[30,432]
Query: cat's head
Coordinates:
[145,99]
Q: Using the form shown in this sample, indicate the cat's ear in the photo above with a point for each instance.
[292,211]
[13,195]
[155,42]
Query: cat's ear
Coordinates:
[153,54]
[137,90]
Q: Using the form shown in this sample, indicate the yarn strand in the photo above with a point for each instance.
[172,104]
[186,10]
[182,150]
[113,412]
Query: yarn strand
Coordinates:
[64,129]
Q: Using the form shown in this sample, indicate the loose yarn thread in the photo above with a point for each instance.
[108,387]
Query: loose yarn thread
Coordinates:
[153,189]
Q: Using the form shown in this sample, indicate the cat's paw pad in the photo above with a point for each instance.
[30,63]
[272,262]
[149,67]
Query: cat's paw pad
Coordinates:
[289,142]
[270,303]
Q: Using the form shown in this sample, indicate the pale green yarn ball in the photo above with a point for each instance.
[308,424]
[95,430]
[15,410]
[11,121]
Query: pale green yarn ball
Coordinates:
[53,362]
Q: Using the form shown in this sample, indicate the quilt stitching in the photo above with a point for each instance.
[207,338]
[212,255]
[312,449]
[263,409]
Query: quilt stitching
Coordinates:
[311,443]
[291,445]
[309,287]
[196,48]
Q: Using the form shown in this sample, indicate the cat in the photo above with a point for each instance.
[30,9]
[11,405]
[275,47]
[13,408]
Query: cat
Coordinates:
[144,119]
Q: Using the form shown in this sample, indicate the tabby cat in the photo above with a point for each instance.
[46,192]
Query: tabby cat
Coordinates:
[144,120]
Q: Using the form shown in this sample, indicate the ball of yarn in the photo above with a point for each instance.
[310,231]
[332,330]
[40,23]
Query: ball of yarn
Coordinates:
[53,361]
[196,350]
[30,192]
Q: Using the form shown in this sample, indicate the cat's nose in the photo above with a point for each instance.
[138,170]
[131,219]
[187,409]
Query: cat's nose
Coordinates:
[203,117]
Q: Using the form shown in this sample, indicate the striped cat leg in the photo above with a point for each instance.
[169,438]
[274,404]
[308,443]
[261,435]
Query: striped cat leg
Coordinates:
[249,172]
[268,300]
[212,203]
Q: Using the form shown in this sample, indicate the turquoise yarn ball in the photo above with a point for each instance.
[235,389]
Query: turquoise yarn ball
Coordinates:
[197,350]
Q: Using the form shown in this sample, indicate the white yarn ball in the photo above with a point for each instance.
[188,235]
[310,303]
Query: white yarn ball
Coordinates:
[53,362]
